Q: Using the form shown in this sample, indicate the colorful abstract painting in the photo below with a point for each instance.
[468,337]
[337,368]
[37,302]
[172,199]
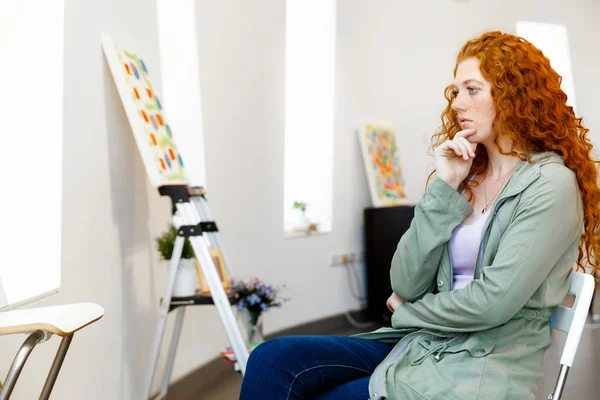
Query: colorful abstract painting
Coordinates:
[146,115]
[382,163]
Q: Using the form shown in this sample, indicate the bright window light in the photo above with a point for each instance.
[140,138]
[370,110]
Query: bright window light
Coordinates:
[553,40]
[31,78]
[309,119]
[181,83]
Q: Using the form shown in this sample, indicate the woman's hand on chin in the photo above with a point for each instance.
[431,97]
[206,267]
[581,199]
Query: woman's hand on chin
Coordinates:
[453,158]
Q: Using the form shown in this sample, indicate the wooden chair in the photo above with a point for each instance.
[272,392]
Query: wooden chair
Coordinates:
[41,323]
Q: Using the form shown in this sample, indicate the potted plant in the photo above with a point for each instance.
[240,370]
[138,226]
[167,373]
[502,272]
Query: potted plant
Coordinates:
[254,298]
[302,222]
[186,280]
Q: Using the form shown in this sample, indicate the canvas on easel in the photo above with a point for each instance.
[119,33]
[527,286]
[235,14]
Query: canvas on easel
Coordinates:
[191,215]
[381,158]
[144,110]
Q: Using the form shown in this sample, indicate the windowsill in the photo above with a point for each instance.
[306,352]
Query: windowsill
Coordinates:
[302,234]
[25,302]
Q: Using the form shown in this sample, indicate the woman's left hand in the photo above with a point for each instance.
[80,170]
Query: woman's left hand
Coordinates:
[393,302]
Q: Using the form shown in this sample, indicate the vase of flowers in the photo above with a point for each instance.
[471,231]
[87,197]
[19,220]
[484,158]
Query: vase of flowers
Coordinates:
[254,299]
[186,280]
[253,324]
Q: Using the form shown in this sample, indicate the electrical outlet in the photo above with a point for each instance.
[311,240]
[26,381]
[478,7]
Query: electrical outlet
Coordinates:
[336,260]
[346,258]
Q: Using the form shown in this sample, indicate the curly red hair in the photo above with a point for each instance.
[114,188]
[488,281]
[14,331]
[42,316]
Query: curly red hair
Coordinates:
[531,109]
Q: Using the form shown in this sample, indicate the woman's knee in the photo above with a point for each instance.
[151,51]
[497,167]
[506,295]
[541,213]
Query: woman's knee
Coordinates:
[273,351]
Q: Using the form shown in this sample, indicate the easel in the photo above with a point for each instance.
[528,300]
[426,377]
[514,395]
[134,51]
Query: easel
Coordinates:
[193,220]
[191,215]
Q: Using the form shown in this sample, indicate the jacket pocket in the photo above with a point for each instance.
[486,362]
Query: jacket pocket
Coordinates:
[454,366]
[476,345]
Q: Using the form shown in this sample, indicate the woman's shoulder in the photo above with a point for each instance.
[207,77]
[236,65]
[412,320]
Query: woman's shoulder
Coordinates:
[554,177]
[551,167]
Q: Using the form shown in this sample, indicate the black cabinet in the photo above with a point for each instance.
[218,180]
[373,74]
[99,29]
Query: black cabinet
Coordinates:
[383,229]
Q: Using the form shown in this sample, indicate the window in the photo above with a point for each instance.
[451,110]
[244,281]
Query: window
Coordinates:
[309,113]
[181,83]
[552,39]
[31,77]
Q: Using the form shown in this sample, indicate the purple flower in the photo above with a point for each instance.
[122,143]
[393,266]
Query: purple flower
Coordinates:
[255,296]
[253,299]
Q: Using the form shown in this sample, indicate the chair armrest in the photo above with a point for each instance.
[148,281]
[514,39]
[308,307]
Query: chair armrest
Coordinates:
[60,320]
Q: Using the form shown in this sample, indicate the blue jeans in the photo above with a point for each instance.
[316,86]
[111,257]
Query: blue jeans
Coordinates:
[312,367]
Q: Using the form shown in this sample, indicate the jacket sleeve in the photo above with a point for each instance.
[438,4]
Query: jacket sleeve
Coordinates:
[417,257]
[546,227]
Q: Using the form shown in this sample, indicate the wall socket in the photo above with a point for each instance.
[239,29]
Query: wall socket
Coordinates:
[346,258]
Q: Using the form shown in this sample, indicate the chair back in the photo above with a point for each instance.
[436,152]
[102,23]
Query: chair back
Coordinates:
[572,320]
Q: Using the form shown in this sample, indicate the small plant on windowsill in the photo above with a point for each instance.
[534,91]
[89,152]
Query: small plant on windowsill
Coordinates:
[186,281]
[300,205]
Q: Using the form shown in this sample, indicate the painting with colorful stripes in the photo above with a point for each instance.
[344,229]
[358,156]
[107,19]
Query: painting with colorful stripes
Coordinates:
[146,115]
[382,163]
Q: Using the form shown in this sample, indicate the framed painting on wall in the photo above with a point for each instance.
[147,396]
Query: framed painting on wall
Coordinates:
[379,148]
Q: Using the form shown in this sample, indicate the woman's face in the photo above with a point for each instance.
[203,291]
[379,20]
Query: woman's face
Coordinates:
[473,101]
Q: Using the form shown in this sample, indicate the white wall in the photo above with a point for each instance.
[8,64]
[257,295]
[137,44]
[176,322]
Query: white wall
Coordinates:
[399,56]
[242,50]
[111,215]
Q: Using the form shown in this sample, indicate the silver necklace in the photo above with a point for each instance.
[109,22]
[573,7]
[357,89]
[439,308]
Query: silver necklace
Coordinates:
[497,192]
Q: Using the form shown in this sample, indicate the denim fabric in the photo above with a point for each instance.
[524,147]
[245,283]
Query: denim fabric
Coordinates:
[312,367]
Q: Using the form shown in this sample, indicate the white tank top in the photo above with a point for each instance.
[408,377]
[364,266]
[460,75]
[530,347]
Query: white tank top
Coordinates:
[464,247]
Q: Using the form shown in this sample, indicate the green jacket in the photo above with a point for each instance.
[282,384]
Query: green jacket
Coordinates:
[487,340]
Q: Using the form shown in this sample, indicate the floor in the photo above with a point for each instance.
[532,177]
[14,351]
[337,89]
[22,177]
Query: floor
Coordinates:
[582,383]
[226,384]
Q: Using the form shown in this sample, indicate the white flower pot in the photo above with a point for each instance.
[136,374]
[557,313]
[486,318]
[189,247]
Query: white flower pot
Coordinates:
[186,281]
[301,221]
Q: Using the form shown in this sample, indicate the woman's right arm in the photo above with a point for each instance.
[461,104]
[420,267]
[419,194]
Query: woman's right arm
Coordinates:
[440,210]
[417,257]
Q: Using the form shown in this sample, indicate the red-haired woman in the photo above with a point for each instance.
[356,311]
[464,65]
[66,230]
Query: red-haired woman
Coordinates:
[513,205]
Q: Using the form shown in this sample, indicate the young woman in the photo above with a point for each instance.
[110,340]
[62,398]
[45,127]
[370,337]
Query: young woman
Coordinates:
[513,205]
